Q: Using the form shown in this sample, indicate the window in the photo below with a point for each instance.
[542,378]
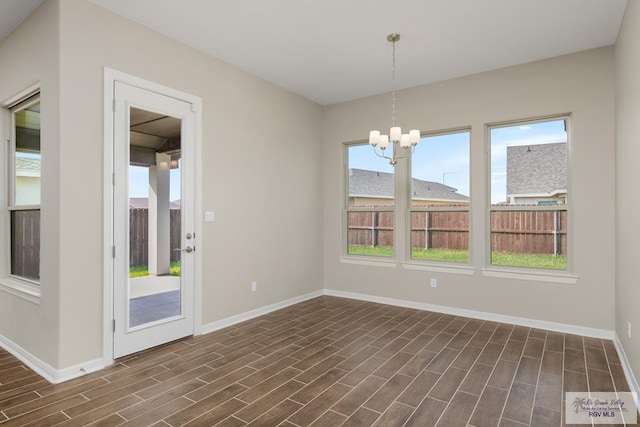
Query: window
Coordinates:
[24,190]
[529,194]
[369,203]
[439,207]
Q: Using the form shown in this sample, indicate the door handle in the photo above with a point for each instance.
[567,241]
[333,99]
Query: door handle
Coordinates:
[189,249]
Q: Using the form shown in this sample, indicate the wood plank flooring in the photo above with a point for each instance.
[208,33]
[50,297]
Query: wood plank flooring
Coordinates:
[329,362]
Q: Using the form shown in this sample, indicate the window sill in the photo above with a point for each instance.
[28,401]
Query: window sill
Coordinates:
[537,276]
[440,268]
[21,290]
[371,261]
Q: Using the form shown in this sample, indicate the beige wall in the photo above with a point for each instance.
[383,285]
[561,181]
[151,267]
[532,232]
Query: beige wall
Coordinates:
[260,183]
[261,174]
[29,55]
[627,56]
[581,84]
[271,226]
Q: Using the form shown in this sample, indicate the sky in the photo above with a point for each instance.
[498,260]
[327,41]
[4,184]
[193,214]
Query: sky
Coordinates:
[433,157]
[446,158]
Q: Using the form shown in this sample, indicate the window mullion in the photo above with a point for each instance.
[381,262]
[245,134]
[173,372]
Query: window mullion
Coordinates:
[401,193]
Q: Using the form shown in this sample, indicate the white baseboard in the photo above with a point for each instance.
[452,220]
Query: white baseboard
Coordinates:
[238,318]
[626,366]
[521,321]
[47,371]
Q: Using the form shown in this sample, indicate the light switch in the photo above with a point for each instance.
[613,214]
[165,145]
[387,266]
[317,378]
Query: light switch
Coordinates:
[209,216]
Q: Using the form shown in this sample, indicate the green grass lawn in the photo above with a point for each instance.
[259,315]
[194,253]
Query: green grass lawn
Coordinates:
[143,270]
[440,255]
[558,262]
[497,258]
[371,250]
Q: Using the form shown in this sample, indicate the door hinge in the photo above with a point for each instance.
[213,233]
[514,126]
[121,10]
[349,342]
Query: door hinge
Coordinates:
[114,325]
[113,252]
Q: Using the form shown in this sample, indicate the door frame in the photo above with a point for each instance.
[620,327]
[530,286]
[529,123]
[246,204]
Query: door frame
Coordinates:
[110,77]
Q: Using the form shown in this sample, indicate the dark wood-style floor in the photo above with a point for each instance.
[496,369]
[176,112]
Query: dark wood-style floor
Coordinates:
[329,362]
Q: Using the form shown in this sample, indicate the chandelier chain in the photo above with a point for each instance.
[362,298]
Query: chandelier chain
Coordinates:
[393,84]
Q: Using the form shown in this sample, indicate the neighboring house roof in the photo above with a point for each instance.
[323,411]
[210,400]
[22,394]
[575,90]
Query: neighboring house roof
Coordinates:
[27,167]
[143,203]
[537,169]
[366,183]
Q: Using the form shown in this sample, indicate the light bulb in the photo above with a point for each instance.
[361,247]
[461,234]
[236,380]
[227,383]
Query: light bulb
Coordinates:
[374,137]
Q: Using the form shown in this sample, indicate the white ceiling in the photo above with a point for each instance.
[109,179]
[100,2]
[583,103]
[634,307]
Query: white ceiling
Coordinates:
[13,12]
[336,50]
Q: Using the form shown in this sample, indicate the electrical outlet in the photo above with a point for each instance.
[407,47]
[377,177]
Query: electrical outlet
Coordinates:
[434,283]
[254,286]
[629,329]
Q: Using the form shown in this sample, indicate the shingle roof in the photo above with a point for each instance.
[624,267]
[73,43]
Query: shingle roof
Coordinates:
[366,183]
[537,169]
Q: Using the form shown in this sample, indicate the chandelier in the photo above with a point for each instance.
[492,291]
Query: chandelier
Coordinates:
[404,144]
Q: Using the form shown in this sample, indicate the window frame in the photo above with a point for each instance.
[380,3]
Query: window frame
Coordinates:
[524,272]
[402,217]
[21,287]
[410,209]
[477,260]
[389,261]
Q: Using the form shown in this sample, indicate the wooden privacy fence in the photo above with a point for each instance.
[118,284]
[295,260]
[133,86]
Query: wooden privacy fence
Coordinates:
[440,230]
[531,232]
[370,228]
[139,236]
[534,232]
[25,244]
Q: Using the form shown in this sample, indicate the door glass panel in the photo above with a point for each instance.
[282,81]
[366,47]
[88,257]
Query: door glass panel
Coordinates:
[155,221]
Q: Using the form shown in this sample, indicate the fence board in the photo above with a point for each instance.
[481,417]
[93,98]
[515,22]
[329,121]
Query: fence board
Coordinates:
[25,244]
[531,232]
[372,228]
[440,230]
[139,236]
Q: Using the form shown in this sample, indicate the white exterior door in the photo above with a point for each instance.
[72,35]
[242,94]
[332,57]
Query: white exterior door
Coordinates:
[153,219]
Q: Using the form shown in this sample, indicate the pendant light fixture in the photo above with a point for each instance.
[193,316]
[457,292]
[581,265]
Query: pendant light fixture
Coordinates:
[403,144]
